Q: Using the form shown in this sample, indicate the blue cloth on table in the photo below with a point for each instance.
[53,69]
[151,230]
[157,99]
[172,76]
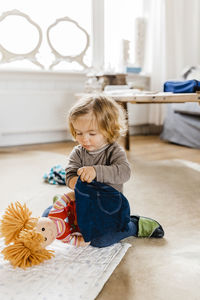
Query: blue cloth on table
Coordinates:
[56,175]
[100,209]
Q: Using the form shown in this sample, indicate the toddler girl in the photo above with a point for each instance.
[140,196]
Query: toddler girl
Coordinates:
[96,123]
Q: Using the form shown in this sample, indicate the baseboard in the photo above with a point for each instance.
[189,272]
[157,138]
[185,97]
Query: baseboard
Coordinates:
[146,129]
[34,137]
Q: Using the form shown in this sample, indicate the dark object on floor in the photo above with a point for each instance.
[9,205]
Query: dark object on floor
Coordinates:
[56,175]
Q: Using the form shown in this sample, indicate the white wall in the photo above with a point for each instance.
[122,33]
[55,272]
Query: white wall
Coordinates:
[34,105]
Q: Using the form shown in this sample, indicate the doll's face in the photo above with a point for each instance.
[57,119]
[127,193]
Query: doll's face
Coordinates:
[48,229]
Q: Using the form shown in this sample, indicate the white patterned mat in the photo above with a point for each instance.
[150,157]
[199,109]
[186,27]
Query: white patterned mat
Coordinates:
[74,273]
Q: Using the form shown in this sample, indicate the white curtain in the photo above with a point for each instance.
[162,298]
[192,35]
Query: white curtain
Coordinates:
[173,43]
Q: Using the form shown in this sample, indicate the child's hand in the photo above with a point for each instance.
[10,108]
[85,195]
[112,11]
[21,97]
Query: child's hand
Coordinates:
[87,174]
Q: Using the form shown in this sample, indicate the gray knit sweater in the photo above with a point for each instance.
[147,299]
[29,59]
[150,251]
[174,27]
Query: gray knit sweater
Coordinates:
[110,163]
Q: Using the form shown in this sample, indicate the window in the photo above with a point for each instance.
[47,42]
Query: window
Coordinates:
[20,36]
[120,24]
[108,23]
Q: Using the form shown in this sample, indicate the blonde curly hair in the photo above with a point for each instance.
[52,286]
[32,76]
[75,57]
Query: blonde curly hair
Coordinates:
[110,116]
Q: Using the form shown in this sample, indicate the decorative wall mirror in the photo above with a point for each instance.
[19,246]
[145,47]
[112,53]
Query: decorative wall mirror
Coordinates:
[20,29]
[73,36]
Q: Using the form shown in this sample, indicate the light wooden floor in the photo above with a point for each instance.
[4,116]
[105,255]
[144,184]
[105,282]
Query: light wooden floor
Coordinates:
[142,147]
[171,197]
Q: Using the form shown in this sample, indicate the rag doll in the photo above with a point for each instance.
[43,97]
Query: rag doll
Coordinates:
[27,237]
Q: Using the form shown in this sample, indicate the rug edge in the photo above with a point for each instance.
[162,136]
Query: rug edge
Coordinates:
[112,266]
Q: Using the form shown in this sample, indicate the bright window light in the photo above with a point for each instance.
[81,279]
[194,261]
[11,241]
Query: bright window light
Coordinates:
[19,36]
[120,16]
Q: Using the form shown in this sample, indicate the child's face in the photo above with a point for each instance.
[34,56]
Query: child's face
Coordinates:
[87,133]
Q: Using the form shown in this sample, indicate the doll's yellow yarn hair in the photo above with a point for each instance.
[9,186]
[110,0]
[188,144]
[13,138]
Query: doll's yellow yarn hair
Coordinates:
[16,218]
[27,251]
[18,228]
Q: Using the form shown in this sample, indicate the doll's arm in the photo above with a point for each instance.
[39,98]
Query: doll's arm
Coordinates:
[75,240]
[64,216]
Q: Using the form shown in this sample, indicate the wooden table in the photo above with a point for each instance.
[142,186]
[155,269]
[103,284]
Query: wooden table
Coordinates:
[146,98]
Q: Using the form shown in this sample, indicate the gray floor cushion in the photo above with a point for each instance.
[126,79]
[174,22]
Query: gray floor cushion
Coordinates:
[182,124]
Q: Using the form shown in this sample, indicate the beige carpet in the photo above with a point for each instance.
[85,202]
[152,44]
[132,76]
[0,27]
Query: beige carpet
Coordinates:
[166,190]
